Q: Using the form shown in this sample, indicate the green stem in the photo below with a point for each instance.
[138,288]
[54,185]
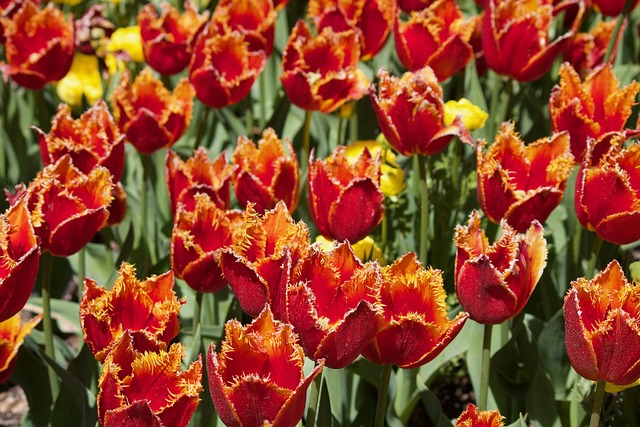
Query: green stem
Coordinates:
[383,392]
[340,128]
[486,363]
[197,311]
[424,172]
[146,170]
[616,30]
[496,87]
[82,262]
[262,119]
[248,114]
[202,125]
[47,322]
[314,396]
[306,141]
[597,404]
[384,229]
[595,251]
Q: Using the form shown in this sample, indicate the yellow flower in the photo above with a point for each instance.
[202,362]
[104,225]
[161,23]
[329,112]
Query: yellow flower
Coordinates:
[472,116]
[69,2]
[83,79]
[392,176]
[366,249]
[612,388]
[127,39]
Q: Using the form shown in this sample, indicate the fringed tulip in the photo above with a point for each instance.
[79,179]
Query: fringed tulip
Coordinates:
[607,198]
[391,174]
[345,200]
[257,378]
[515,36]
[365,249]
[320,72]
[436,36]
[150,115]
[19,258]
[39,45]
[167,40]
[12,333]
[410,112]
[93,30]
[372,19]
[255,19]
[266,174]
[333,303]
[197,240]
[416,327]
[197,174]
[612,7]
[223,67]
[522,183]
[147,388]
[472,417]
[590,108]
[265,251]
[602,327]
[586,51]
[494,282]
[67,206]
[146,308]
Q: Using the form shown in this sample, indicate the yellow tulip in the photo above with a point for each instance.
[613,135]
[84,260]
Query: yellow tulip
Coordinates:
[82,80]
[127,39]
[392,176]
[472,116]
[366,249]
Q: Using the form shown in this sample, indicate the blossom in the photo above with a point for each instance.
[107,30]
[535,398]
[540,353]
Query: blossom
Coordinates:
[391,174]
[365,249]
[12,333]
[255,19]
[127,40]
[472,116]
[586,51]
[83,81]
[612,7]
[472,417]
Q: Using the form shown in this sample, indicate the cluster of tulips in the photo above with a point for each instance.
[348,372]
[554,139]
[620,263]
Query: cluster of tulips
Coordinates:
[336,301]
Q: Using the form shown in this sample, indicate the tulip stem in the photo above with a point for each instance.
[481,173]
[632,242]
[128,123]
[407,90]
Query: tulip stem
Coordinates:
[306,141]
[597,404]
[82,264]
[248,115]
[423,184]
[202,125]
[146,170]
[314,396]
[47,322]
[486,363]
[616,31]
[262,119]
[340,130]
[383,392]
[595,252]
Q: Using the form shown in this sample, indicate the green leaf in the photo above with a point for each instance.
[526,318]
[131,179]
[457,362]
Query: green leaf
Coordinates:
[634,269]
[325,417]
[66,313]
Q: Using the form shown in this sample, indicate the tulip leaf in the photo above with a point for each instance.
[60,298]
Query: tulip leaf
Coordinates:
[553,356]
[634,269]
[432,405]
[325,417]
[63,311]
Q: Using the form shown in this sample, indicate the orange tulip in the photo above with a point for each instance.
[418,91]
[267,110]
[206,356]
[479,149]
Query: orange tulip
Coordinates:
[471,417]
[255,19]
[602,327]
[12,333]
[146,308]
[257,378]
[266,174]
[586,51]
[416,327]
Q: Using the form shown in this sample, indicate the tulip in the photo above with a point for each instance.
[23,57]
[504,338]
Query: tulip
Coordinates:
[83,81]
[321,72]
[586,51]
[127,42]
[365,249]
[266,174]
[91,140]
[167,40]
[146,308]
[515,37]
[8,8]
[20,256]
[602,327]
[612,7]
[472,116]
[197,174]
[345,200]
[494,282]
[93,31]
[410,112]
[67,206]
[255,19]
[147,388]
[436,36]
[522,183]
[148,114]
[264,253]
[607,197]
[257,378]
[12,333]
[197,240]
[118,207]
[38,45]
[333,303]
[471,417]
[416,327]
[373,20]
[591,108]
[391,174]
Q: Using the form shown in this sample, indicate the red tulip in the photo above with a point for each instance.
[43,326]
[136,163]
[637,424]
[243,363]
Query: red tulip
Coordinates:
[198,238]
[410,112]
[321,72]
[266,174]
[20,256]
[522,183]
[257,378]
[255,19]
[471,417]
[197,174]
[590,108]
[148,114]
[345,200]
[91,140]
[607,198]
[602,327]
[436,36]
[333,304]
[147,388]
[416,327]
[586,51]
[265,251]
[494,282]
[148,309]
[38,45]
[12,333]
[93,30]
[223,67]
[167,40]
[612,7]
